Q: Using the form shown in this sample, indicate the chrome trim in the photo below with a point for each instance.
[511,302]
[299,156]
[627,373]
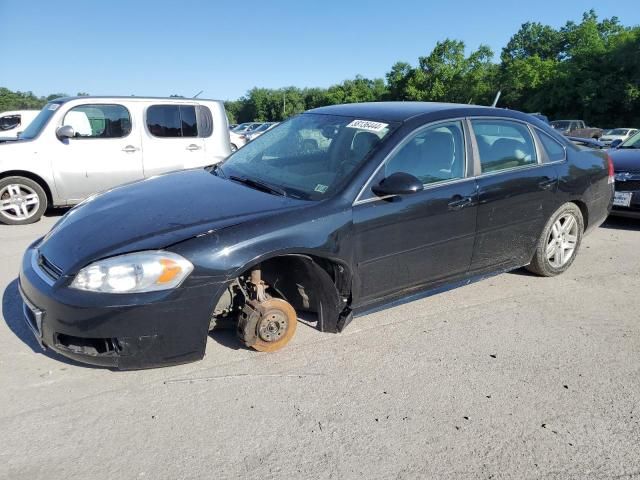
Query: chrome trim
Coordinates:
[28,307]
[401,144]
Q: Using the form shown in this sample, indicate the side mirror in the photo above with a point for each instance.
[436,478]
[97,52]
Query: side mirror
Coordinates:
[398,183]
[616,143]
[65,131]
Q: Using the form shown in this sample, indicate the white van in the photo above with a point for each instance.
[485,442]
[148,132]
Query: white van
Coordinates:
[83,145]
[14,122]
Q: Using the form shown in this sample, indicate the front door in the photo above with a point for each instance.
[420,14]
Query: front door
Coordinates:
[418,239]
[105,151]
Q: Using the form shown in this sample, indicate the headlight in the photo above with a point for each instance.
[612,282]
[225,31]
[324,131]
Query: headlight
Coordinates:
[134,273]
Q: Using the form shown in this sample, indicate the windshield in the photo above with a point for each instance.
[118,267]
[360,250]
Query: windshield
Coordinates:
[41,120]
[308,156]
[618,131]
[633,142]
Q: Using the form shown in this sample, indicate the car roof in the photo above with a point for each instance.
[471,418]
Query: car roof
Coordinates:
[132,98]
[395,111]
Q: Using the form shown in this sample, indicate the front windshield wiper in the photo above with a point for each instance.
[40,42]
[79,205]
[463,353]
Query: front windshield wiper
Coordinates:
[259,185]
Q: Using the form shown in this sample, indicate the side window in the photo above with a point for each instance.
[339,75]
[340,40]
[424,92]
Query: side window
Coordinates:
[205,121]
[9,121]
[503,144]
[172,121]
[99,121]
[555,151]
[434,154]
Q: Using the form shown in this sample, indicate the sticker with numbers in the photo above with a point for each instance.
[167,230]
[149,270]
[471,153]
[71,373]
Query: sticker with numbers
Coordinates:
[368,125]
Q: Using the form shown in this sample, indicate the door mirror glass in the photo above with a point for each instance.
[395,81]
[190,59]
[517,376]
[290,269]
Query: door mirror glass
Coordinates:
[65,131]
[616,143]
[398,183]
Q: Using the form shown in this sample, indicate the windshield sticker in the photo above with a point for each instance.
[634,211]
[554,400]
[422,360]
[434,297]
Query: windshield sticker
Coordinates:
[368,125]
[321,188]
[54,106]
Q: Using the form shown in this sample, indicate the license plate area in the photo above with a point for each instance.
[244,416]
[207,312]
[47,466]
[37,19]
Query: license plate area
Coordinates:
[622,199]
[33,317]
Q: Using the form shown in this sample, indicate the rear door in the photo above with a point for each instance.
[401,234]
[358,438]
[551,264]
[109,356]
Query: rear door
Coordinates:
[171,139]
[105,151]
[418,239]
[516,193]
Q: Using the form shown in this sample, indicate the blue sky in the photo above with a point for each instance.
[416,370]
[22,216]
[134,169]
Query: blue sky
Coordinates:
[161,47]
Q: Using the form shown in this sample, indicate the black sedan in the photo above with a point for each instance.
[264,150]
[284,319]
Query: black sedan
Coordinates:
[335,212]
[626,162]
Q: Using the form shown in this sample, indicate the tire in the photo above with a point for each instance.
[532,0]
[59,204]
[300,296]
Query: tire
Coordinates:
[22,201]
[559,243]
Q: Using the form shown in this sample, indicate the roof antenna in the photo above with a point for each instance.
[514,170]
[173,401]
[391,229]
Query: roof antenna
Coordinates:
[495,102]
[197,94]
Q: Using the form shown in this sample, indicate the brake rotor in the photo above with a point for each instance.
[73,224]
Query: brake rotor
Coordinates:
[276,325]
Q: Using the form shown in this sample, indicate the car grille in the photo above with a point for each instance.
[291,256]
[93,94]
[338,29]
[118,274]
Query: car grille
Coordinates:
[630,186]
[49,268]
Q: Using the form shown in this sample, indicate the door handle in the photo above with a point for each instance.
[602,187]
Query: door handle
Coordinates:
[130,149]
[193,147]
[458,202]
[547,184]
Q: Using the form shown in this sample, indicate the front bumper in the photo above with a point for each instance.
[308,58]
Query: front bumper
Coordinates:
[121,331]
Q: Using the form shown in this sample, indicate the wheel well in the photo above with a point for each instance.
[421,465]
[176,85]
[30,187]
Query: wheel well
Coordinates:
[32,176]
[583,209]
[310,284]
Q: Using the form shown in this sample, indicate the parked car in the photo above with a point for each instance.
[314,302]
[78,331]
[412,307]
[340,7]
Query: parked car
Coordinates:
[255,133]
[626,161]
[14,122]
[338,211]
[620,134]
[78,146]
[237,140]
[576,128]
[232,126]
[246,127]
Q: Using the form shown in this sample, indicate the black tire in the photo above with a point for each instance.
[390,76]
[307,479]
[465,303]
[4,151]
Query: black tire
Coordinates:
[25,186]
[541,264]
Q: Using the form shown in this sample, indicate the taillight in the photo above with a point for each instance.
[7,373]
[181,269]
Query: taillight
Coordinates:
[612,173]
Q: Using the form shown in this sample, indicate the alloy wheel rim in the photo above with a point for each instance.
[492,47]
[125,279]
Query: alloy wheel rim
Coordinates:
[562,241]
[18,202]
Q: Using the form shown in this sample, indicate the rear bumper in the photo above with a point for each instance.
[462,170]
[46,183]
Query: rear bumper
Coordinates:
[626,212]
[119,331]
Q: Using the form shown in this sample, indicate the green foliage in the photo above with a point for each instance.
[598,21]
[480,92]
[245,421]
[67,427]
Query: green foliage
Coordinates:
[588,70]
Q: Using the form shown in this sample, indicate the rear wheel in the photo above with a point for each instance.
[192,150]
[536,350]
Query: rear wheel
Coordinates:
[559,243]
[22,201]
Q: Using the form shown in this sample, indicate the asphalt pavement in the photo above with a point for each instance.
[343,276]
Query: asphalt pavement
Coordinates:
[512,377]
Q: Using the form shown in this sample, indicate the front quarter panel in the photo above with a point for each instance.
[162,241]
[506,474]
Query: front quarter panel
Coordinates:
[322,230]
[27,156]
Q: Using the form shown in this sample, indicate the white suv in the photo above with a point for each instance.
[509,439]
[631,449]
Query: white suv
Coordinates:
[83,145]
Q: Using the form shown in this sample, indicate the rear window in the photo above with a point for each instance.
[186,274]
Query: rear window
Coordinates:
[555,151]
[170,121]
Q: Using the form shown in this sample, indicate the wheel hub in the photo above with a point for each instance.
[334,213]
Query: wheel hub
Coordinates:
[272,326]
[18,202]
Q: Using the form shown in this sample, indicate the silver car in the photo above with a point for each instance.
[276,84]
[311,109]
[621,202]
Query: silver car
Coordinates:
[79,146]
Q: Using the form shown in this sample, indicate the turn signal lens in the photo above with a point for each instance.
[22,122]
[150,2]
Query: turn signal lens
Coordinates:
[134,273]
[612,173]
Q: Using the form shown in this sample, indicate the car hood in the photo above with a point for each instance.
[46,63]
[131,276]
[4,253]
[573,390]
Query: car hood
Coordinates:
[626,159]
[153,214]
